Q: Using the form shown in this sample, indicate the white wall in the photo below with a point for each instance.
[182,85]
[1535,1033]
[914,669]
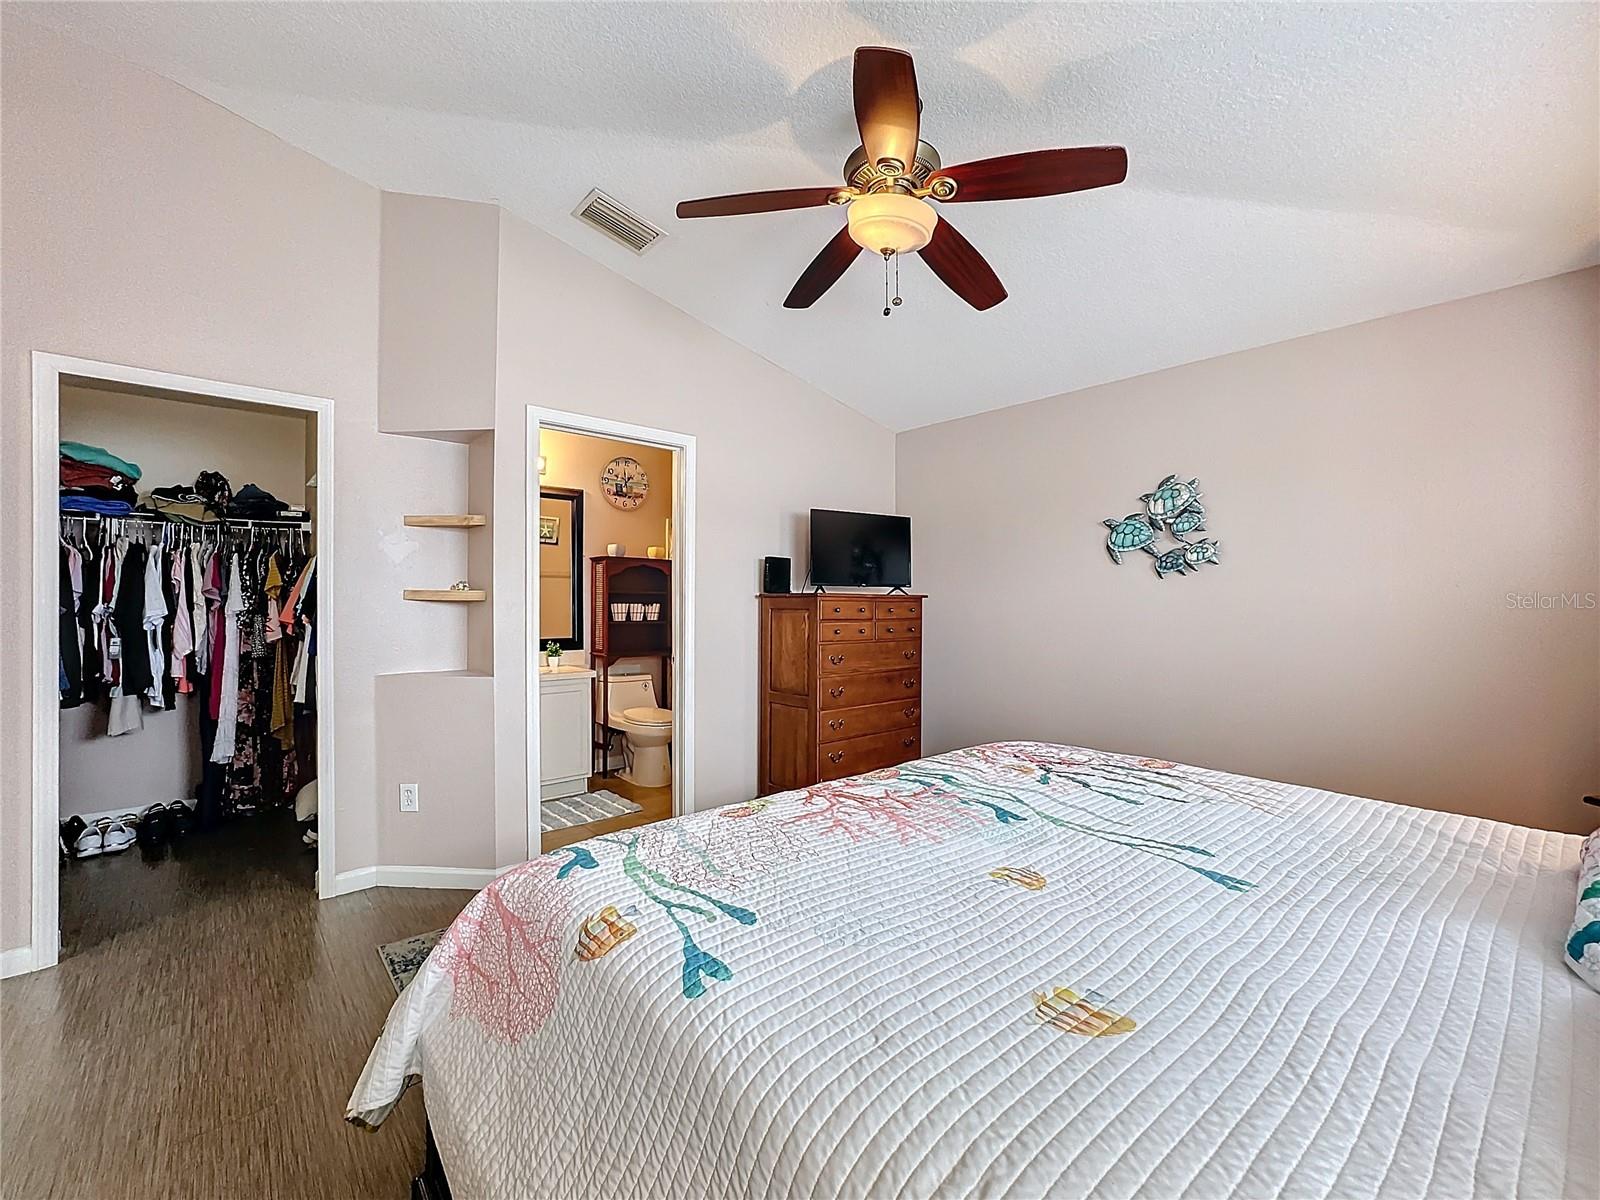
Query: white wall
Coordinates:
[146,226]
[1377,491]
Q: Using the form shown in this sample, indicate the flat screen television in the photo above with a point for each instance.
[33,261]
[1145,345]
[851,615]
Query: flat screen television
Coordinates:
[860,549]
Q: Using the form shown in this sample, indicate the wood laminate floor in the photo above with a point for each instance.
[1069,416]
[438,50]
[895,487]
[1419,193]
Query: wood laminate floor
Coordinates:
[655,804]
[203,1033]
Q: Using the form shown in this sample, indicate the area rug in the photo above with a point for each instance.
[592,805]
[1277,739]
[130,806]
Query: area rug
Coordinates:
[404,958]
[582,810]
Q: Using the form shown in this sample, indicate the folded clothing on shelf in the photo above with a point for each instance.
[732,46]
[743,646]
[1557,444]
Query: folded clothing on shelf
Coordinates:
[79,474]
[124,493]
[95,456]
[252,501]
[178,502]
[213,487]
[91,504]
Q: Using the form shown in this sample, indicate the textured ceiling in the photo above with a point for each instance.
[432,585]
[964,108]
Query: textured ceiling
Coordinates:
[1293,167]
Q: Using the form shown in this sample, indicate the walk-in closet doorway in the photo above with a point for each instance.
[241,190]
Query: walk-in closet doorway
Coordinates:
[298,530]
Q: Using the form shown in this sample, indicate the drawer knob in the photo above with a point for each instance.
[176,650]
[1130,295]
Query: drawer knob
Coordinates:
[836,659]
[837,631]
[861,631]
[910,712]
[910,683]
[909,654]
[839,691]
[835,725]
[836,757]
[890,629]
[907,741]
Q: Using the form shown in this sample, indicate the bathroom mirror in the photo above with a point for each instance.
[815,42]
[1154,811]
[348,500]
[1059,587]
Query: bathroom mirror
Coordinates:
[559,538]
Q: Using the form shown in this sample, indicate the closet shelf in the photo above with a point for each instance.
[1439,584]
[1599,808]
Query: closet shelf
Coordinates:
[447,595]
[448,520]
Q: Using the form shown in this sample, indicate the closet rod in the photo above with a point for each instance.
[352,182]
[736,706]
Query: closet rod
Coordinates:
[222,523]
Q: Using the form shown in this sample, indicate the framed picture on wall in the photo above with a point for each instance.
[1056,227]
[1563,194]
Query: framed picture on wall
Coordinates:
[549,531]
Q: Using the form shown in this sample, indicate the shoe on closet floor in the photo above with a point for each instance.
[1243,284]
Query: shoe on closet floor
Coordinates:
[154,825]
[71,829]
[180,820]
[116,835]
[89,843]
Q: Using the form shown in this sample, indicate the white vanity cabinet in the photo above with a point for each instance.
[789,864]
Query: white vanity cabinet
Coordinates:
[566,731]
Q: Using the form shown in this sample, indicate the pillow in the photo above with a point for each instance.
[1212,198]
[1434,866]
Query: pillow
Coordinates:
[1583,942]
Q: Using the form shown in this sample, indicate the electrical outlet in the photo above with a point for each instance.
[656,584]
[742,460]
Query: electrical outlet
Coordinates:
[408,797]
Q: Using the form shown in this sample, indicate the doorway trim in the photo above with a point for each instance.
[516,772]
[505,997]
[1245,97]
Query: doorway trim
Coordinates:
[684,529]
[48,370]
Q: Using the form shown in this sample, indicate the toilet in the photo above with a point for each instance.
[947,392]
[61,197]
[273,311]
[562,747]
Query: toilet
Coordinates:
[631,710]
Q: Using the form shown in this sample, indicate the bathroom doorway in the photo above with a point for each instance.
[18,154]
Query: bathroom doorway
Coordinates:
[609,614]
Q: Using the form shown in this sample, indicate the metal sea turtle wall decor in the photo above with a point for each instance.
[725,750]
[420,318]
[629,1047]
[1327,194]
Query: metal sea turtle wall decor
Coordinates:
[1173,508]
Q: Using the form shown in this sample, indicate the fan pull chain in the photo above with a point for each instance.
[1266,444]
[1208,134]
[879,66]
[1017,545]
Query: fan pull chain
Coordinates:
[887,255]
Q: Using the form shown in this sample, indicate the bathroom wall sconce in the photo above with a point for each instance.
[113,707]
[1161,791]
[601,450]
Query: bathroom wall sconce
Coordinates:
[542,465]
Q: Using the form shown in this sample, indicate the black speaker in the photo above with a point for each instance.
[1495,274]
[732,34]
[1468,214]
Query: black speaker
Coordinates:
[775,576]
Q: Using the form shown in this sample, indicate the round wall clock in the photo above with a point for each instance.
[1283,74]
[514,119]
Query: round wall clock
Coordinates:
[624,483]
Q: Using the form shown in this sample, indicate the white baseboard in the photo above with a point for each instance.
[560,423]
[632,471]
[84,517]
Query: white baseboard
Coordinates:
[16,962]
[464,878]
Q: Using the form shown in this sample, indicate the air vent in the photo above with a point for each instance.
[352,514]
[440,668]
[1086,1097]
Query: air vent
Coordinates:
[616,222]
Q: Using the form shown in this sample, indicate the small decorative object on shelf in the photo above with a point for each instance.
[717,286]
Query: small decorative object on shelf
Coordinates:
[461,585]
[617,550]
[655,552]
[1174,507]
[552,655]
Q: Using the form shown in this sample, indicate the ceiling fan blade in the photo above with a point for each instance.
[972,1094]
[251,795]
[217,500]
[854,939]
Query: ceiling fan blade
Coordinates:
[757,202]
[1036,173]
[964,271]
[824,271]
[887,108]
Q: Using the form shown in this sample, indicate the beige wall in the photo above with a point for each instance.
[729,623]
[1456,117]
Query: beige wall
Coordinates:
[1378,491]
[769,449]
[575,460]
[171,440]
[431,727]
[146,226]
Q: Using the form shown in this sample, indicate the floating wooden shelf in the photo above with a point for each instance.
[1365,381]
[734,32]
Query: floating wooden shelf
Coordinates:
[449,520]
[448,595]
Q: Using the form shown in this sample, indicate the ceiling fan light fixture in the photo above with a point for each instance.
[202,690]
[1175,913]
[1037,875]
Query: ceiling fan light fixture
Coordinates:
[891,222]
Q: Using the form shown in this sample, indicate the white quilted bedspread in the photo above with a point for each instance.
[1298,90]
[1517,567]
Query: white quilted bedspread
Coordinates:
[1019,969]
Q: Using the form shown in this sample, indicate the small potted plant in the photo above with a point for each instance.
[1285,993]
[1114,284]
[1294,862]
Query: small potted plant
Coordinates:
[552,655]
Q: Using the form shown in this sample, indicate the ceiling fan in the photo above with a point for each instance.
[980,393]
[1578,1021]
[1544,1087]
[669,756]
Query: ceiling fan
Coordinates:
[893,174]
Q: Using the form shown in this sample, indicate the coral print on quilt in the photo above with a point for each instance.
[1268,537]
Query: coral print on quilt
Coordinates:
[845,990]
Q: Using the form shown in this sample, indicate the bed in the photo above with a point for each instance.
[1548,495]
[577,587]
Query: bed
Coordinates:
[1016,969]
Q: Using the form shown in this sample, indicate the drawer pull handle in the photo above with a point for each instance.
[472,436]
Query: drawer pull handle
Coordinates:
[907,741]
[839,691]
[890,629]
[861,631]
[836,659]
[911,683]
[910,712]
[835,725]
[837,631]
[836,757]
[909,654]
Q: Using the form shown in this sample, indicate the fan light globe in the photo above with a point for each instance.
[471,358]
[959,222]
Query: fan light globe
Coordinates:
[891,222]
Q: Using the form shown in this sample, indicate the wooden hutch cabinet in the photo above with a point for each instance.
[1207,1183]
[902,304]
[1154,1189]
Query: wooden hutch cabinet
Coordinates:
[841,686]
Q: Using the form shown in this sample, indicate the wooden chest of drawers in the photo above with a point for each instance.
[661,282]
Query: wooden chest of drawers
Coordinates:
[840,688]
